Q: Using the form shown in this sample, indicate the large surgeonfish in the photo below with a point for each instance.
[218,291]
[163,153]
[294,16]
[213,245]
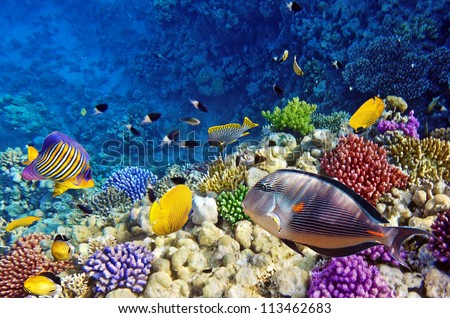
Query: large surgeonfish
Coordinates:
[321,213]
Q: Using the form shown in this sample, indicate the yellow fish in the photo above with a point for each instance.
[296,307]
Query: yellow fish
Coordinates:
[283,57]
[83,112]
[367,114]
[225,134]
[43,284]
[297,69]
[62,249]
[25,221]
[172,212]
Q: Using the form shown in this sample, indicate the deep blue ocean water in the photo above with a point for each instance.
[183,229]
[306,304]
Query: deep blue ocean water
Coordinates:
[58,57]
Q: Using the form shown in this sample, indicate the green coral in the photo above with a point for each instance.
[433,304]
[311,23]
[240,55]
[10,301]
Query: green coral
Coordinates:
[295,116]
[427,158]
[229,205]
[333,122]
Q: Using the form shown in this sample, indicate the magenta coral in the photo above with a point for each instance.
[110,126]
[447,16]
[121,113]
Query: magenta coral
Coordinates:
[25,259]
[409,128]
[440,243]
[362,165]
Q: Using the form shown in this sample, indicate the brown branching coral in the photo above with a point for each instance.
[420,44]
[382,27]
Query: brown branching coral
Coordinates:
[26,259]
[110,200]
[75,286]
[441,133]
[427,158]
[10,157]
[223,176]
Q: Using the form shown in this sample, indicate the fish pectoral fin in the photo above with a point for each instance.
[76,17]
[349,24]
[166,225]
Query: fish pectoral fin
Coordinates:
[293,245]
[245,133]
[32,155]
[60,188]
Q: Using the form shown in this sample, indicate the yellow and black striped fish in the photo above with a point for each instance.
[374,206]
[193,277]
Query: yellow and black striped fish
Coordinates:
[225,134]
[62,249]
[61,159]
[321,213]
[367,114]
[43,284]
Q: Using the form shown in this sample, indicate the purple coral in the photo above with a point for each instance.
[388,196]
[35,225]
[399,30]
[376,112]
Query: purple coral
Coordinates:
[126,265]
[379,253]
[409,129]
[348,277]
[133,180]
[440,243]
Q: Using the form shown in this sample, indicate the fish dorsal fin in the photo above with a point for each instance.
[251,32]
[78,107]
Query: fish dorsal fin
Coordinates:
[57,136]
[249,124]
[157,217]
[340,252]
[51,276]
[373,213]
[61,237]
[32,155]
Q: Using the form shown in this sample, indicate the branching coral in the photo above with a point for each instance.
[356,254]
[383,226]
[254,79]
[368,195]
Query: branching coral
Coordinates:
[109,201]
[187,172]
[362,165]
[348,277]
[428,158]
[229,204]
[441,133]
[440,243]
[133,180]
[126,265]
[223,176]
[333,122]
[25,259]
[409,128]
[10,158]
[75,286]
[295,116]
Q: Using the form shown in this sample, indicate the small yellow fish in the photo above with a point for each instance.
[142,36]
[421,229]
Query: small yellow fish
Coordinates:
[83,112]
[229,133]
[171,213]
[280,59]
[62,249]
[43,284]
[367,114]
[25,221]
[297,69]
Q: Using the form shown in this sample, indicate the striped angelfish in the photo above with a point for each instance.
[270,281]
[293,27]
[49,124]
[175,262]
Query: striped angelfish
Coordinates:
[63,160]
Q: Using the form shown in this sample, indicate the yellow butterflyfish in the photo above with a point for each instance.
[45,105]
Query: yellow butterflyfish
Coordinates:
[62,249]
[367,114]
[43,284]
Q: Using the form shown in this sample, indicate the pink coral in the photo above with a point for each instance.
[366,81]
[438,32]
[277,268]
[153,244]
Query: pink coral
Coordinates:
[25,259]
[362,165]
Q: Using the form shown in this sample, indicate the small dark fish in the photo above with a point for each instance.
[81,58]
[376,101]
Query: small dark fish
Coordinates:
[293,6]
[133,130]
[278,90]
[190,120]
[85,209]
[238,160]
[199,105]
[321,213]
[272,143]
[100,109]
[188,143]
[151,195]
[167,140]
[259,159]
[337,65]
[150,118]
[178,180]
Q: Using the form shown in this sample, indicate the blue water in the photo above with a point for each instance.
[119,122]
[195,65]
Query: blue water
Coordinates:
[153,56]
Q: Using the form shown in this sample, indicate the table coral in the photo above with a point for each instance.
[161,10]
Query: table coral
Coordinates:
[229,204]
[295,116]
[25,259]
[362,165]
[428,158]
[440,243]
[348,277]
[124,265]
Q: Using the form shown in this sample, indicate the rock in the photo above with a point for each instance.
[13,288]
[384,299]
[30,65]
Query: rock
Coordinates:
[197,262]
[439,203]
[396,103]
[157,285]
[236,291]
[275,163]
[254,175]
[437,284]
[80,234]
[161,265]
[190,244]
[179,258]
[205,209]
[243,233]
[208,234]
[121,293]
[214,288]
[246,277]
[290,282]
[422,223]
[419,197]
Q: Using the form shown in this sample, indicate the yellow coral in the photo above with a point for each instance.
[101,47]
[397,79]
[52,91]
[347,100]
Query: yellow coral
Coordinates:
[223,176]
[428,158]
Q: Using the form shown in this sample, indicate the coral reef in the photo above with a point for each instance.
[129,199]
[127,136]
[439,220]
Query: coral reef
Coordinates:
[25,259]
[409,128]
[348,277]
[125,265]
[294,117]
[379,253]
[229,204]
[362,165]
[107,202]
[222,176]
[396,103]
[428,158]
[75,286]
[189,172]
[440,243]
[133,180]
[441,133]
[333,122]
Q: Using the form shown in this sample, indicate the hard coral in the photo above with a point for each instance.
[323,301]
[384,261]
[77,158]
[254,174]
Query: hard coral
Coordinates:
[348,277]
[126,265]
[409,128]
[295,116]
[229,204]
[223,176]
[133,180]
[440,243]
[334,122]
[379,253]
[428,158]
[108,201]
[25,259]
[362,165]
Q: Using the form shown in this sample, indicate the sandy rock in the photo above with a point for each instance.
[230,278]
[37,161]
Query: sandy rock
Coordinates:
[161,265]
[208,234]
[419,197]
[243,233]
[205,209]
[236,291]
[246,277]
[254,175]
[290,282]
[197,261]
[179,258]
[437,284]
[190,244]
[439,203]
[121,293]
[214,288]
[80,234]
[422,223]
